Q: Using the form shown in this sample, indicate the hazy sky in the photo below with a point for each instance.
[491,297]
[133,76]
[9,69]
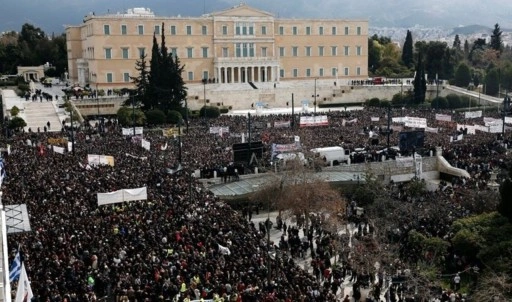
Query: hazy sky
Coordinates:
[53,15]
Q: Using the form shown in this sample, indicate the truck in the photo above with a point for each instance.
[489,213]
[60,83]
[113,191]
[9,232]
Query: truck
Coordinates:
[335,154]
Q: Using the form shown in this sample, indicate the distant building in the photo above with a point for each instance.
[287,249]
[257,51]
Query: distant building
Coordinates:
[240,44]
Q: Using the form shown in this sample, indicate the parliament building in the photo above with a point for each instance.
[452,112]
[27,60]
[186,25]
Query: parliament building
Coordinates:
[237,45]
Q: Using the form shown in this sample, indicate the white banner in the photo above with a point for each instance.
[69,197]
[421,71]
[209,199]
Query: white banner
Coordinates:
[473,114]
[145,144]
[398,120]
[443,117]
[508,120]
[481,128]
[129,131]
[137,157]
[57,149]
[70,146]
[433,130]
[308,121]
[415,122]
[375,118]
[95,160]
[219,130]
[122,196]
[282,124]
[493,128]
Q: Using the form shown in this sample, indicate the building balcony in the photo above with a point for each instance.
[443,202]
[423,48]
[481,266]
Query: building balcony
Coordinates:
[246,61]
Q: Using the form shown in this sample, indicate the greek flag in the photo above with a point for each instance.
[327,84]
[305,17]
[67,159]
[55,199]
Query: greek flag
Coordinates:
[15,269]
[2,170]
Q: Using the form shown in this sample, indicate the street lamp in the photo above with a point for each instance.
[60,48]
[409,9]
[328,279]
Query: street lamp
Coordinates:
[133,113]
[315,96]
[204,94]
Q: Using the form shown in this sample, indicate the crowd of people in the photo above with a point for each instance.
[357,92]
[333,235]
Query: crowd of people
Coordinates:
[183,243]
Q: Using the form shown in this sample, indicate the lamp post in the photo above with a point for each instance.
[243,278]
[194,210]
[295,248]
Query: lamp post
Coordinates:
[204,95]
[72,133]
[133,113]
[315,96]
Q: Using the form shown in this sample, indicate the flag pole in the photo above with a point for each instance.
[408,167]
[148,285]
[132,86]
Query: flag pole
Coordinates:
[5,253]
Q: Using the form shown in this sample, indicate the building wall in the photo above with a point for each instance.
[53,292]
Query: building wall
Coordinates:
[103,50]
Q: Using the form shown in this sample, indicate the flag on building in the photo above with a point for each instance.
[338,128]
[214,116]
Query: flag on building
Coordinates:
[15,269]
[24,293]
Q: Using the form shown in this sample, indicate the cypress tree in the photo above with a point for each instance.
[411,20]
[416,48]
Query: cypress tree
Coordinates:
[420,83]
[407,52]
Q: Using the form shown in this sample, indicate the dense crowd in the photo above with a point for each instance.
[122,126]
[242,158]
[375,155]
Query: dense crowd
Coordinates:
[183,243]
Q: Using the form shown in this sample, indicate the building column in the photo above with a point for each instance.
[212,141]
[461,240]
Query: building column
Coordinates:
[225,72]
[264,74]
[246,75]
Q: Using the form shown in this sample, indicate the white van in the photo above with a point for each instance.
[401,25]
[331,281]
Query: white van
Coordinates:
[335,154]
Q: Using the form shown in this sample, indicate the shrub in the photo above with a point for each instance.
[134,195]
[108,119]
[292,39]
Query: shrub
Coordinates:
[174,117]
[209,111]
[15,111]
[453,101]
[155,117]
[16,123]
[373,102]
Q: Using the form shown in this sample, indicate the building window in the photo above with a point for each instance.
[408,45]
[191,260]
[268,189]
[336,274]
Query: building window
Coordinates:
[346,51]
[189,30]
[238,50]
[321,72]
[174,52]
[110,77]
[321,30]
[358,50]
[106,29]
[334,30]
[157,29]
[108,53]
[334,51]
[124,30]
[263,30]
[281,30]
[346,30]
[281,73]
[190,51]
[244,28]
[358,71]
[320,51]
[308,30]
[334,71]
[173,30]
[251,49]
[204,30]
[205,74]
[346,71]
[190,75]
[140,29]
[124,52]
[126,77]
[359,30]
[225,52]
[224,30]
[142,52]
[295,51]
[308,51]
[308,72]
[245,50]
[294,29]
[295,72]
[281,51]
[205,52]
[263,51]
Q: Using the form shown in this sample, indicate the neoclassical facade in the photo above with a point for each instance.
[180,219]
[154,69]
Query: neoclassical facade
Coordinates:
[237,45]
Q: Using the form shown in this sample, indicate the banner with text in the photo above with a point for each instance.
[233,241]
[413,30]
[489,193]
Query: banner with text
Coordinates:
[309,121]
[129,131]
[443,117]
[219,130]
[473,114]
[122,196]
[96,160]
[282,124]
[415,122]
